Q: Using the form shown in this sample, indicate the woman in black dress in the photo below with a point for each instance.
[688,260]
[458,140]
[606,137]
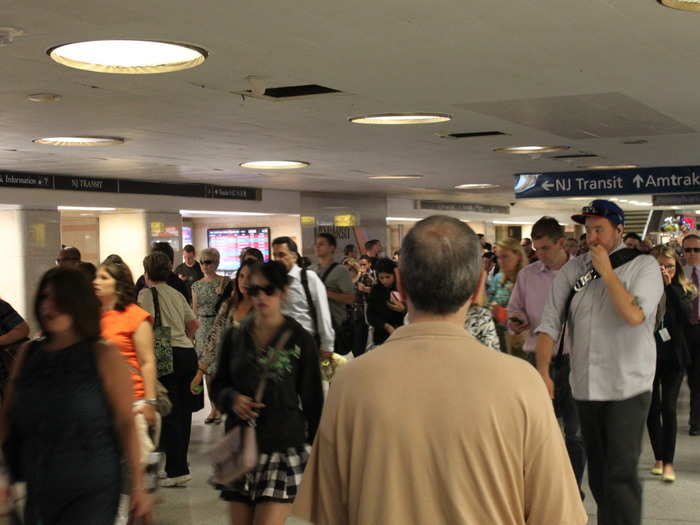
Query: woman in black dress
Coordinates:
[287,418]
[672,357]
[69,414]
[385,310]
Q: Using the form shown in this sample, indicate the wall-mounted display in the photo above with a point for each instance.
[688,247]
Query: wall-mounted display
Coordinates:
[231,241]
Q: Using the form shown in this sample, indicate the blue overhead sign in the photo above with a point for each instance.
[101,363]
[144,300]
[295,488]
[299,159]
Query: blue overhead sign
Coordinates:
[683,179]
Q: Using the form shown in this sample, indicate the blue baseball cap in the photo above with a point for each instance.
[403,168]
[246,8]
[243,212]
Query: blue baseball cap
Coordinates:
[601,208]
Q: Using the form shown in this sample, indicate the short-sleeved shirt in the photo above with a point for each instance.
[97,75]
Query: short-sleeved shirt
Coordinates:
[610,359]
[174,312]
[9,318]
[118,328]
[192,273]
[337,281]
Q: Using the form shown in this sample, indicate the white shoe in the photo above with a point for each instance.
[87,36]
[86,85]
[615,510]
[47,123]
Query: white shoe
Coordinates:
[179,481]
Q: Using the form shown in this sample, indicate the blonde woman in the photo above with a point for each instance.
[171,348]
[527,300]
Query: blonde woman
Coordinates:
[206,295]
[672,358]
[511,259]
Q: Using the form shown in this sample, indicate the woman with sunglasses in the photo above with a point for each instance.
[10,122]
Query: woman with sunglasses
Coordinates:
[288,417]
[234,306]
[672,357]
[206,294]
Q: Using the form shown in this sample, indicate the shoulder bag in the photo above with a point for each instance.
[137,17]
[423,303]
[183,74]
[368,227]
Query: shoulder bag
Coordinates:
[344,330]
[312,306]
[162,341]
[237,453]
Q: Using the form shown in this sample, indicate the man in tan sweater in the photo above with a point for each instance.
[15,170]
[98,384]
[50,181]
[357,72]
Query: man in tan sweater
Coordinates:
[432,427]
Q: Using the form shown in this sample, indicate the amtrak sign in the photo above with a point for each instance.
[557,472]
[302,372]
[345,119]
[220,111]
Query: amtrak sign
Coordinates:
[683,179]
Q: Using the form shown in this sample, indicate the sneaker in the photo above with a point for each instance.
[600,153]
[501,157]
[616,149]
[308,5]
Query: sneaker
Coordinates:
[179,481]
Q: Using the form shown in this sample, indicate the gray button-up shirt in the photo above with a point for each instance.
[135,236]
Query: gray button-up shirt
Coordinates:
[610,360]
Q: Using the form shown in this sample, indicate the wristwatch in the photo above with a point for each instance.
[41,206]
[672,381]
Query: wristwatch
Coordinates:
[152,402]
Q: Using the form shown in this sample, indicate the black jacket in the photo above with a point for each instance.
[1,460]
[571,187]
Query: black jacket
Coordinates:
[677,322]
[379,314]
[282,423]
[173,281]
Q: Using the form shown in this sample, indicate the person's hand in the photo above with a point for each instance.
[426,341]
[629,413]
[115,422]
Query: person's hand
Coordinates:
[517,326]
[601,261]
[245,407]
[396,307]
[149,413]
[195,386]
[665,276]
[547,382]
[141,503]
[363,288]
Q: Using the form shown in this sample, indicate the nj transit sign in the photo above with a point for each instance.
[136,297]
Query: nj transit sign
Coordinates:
[683,179]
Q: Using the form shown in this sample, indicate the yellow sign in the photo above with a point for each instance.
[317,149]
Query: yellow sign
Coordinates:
[345,220]
[308,221]
[157,228]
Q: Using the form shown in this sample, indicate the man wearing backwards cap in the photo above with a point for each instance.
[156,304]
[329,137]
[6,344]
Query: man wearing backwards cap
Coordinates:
[613,358]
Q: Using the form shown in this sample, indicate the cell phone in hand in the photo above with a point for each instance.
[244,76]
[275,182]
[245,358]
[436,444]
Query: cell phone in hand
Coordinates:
[516,320]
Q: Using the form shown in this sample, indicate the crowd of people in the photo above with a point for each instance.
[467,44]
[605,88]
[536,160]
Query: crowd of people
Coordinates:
[452,420]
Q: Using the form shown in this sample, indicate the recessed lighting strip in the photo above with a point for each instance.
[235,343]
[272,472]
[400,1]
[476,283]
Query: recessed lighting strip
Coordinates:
[84,208]
[275,164]
[530,150]
[79,141]
[403,219]
[394,119]
[209,212]
[476,186]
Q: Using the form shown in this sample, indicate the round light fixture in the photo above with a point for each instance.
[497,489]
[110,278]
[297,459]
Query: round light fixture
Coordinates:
[79,141]
[275,164]
[531,150]
[683,5]
[609,167]
[128,57]
[396,177]
[475,186]
[44,97]
[401,118]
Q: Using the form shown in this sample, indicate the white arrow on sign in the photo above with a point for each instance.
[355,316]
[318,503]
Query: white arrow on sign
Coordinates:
[638,180]
[547,185]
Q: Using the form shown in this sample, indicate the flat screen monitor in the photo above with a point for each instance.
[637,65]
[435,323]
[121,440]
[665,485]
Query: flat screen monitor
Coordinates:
[231,241]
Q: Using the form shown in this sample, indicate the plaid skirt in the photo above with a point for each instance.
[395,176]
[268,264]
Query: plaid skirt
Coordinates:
[276,478]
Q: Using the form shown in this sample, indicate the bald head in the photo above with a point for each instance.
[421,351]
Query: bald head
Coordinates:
[440,264]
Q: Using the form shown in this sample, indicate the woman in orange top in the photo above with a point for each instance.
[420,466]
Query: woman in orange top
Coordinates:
[128,327]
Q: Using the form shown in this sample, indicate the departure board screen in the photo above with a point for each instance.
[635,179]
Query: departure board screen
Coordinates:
[231,241]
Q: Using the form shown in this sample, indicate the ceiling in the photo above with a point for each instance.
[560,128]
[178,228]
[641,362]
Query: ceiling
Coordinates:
[541,71]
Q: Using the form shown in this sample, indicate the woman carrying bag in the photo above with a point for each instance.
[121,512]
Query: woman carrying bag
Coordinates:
[288,416]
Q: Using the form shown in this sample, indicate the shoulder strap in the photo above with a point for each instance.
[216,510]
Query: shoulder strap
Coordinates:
[328,272]
[617,259]
[156,307]
[309,298]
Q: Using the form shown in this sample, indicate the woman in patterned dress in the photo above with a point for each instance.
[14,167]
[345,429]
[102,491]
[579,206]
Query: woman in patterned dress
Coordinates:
[205,296]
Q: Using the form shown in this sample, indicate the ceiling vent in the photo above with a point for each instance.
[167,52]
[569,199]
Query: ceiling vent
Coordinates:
[473,134]
[260,91]
[574,156]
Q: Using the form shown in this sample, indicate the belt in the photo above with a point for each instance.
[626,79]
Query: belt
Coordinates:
[212,315]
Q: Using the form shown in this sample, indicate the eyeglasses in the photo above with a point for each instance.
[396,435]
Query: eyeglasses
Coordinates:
[207,263]
[255,290]
[691,250]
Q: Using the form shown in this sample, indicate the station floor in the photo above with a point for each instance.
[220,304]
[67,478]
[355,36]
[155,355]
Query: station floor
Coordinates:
[664,504]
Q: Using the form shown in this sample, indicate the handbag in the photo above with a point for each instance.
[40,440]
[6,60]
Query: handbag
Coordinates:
[163,404]
[162,341]
[237,453]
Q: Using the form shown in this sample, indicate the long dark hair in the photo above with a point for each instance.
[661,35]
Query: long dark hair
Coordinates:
[232,291]
[74,296]
[126,292]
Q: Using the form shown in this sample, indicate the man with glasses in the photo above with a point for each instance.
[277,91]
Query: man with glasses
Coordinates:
[607,299]
[69,257]
[691,249]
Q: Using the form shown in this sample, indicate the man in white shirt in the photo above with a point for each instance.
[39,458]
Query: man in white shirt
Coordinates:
[308,305]
[691,248]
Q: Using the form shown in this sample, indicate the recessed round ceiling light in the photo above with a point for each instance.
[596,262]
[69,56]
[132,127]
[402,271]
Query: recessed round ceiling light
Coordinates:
[79,141]
[275,164]
[401,118]
[475,186]
[44,97]
[683,5]
[396,177]
[529,150]
[609,167]
[128,57]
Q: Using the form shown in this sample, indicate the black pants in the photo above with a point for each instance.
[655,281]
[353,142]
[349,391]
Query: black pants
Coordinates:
[612,432]
[177,426]
[565,409]
[694,377]
[360,334]
[662,421]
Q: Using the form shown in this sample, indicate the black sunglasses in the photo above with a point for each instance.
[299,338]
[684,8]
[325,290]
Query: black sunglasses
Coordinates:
[206,263]
[691,250]
[255,290]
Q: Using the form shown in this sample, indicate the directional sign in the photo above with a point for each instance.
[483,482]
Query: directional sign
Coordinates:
[683,179]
